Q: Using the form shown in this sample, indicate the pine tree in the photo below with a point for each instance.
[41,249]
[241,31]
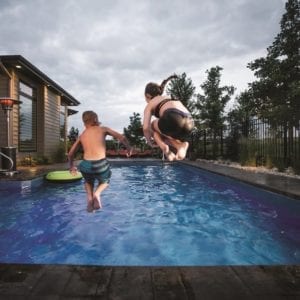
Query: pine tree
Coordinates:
[182,88]
[134,131]
[277,90]
[211,104]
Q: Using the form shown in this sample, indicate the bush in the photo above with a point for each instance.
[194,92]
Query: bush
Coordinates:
[60,155]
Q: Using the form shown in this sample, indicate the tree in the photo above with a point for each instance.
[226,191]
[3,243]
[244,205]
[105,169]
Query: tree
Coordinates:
[182,88]
[73,135]
[239,118]
[277,90]
[134,131]
[211,104]
[240,115]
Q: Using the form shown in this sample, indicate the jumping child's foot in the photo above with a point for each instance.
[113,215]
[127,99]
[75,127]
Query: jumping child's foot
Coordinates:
[97,202]
[168,153]
[181,152]
[89,207]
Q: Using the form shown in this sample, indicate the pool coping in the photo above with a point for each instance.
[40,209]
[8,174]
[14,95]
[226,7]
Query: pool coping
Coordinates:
[19,281]
[285,185]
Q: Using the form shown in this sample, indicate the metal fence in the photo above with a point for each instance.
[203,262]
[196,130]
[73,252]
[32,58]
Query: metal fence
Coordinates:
[253,143]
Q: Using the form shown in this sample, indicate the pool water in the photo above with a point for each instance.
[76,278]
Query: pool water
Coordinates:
[153,214]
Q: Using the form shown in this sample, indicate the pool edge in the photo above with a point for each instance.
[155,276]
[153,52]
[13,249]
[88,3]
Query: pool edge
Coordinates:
[20,281]
[283,185]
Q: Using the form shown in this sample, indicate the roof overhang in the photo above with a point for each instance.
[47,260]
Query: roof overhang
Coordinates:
[19,63]
[71,112]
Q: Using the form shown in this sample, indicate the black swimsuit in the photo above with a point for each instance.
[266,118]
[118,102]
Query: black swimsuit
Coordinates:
[160,105]
[174,122]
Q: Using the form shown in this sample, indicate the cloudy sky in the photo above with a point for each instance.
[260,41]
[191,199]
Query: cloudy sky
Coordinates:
[103,52]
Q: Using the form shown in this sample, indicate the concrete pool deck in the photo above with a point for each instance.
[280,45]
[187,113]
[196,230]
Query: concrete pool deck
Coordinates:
[90,282]
[23,281]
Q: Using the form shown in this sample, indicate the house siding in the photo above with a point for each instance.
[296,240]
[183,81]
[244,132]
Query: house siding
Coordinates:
[14,116]
[51,119]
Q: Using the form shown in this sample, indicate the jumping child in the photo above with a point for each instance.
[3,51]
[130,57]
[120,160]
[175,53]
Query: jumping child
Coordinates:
[94,165]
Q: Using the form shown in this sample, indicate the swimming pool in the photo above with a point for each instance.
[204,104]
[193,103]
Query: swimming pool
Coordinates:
[153,214]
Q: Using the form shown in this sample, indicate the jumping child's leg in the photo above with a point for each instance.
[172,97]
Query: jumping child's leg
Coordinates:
[165,141]
[89,191]
[160,142]
[97,195]
[181,147]
[163,146]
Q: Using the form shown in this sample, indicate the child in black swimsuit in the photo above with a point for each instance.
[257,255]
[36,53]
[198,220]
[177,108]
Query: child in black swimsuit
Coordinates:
[173,125]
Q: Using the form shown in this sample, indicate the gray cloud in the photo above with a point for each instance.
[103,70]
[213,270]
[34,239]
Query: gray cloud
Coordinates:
[104,52]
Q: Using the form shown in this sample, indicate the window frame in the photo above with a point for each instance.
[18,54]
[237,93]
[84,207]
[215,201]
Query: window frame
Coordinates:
[33,99]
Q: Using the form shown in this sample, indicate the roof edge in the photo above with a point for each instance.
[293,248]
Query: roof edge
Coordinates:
[19,59]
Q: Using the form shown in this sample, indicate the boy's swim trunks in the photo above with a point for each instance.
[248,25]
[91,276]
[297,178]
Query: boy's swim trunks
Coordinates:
[92,170]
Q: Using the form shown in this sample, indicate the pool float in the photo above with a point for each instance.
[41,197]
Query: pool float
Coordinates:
[63,176]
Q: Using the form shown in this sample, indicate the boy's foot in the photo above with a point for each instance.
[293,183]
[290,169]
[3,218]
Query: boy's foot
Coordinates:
[97,202]
[90,207]
[181,152]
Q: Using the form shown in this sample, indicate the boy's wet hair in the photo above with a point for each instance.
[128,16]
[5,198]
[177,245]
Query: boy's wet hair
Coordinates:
[90,117]
[153,89]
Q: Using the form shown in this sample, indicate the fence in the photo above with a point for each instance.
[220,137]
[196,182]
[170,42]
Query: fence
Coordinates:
[252,143]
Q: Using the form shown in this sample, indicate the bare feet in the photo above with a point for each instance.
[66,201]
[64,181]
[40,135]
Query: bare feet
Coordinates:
[181,152]
[168,153]
[97,201]
[90,207]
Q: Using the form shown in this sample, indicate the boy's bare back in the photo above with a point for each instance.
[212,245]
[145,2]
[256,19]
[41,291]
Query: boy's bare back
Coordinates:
[93,142]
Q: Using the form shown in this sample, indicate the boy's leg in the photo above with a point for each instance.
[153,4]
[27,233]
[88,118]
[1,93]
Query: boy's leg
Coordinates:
[89,191]
[97,195]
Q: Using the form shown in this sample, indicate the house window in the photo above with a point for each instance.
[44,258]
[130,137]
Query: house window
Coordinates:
[62,123]
[27,126]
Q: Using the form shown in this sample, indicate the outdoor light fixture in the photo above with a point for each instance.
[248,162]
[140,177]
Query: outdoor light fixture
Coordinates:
[8,153]
[7,104]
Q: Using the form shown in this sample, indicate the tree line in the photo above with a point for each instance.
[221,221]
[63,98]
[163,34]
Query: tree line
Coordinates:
[274,96]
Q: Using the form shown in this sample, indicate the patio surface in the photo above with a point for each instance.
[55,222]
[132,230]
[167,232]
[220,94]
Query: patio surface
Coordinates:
[23,281]
[90,282]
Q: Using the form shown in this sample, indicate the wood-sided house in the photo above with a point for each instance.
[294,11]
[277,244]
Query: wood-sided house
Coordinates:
[38,125]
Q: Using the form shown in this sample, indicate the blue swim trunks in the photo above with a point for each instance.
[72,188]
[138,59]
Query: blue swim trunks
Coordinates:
[92,170]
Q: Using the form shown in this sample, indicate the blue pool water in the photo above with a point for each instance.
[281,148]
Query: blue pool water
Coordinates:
[153,214]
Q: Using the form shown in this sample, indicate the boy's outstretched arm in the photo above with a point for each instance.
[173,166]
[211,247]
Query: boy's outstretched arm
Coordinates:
[121,138]
[71,154]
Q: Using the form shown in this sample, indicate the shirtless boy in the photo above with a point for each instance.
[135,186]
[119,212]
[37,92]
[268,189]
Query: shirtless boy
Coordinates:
[94,165]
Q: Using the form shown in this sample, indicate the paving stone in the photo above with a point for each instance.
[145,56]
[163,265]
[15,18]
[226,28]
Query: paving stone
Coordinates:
[53,280]
[130,283]
[271,280]
[167,283]
[18,279]
[213,283]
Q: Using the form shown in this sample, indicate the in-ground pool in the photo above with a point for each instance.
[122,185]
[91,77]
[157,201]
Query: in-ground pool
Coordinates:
[153,214]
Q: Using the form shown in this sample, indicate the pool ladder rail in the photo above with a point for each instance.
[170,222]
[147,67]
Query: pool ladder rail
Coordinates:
[9,171]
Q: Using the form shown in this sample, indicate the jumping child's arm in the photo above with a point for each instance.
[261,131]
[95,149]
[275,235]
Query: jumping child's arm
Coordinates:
[121,138]
[147,125]
[71,154]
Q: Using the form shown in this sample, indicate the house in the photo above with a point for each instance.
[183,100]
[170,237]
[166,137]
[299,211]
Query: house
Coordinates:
[38,124]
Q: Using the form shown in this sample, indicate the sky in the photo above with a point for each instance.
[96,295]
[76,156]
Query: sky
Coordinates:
[104,52]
